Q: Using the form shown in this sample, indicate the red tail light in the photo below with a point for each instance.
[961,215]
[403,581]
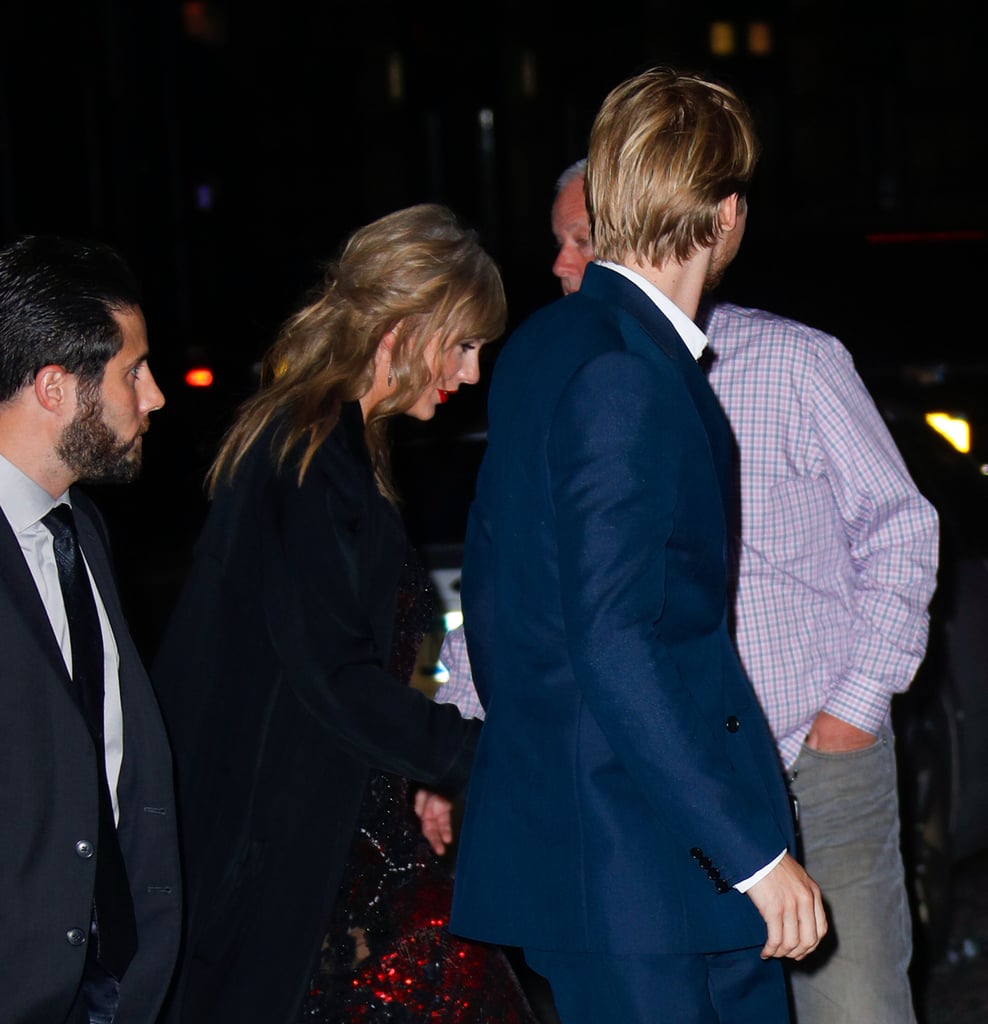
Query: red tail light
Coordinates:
[199,377]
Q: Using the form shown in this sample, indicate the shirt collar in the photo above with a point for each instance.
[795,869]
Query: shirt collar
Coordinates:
[693,338]
[23,501]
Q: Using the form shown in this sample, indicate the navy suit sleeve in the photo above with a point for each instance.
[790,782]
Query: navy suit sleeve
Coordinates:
[625,510]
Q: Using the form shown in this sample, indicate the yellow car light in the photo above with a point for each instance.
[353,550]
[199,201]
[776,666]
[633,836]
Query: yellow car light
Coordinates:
[955,429]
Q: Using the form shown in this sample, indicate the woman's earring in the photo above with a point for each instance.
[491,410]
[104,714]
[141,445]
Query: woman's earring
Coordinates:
[391,374]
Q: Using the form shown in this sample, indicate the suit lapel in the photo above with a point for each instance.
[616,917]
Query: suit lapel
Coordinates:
[93,544]
[135,688]
[661,341]
[26,601]
[92,539]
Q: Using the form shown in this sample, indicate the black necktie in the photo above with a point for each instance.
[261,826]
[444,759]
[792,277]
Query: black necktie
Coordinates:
[113,909]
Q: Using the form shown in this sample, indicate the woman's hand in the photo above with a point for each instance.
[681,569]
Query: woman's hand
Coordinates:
[436,815]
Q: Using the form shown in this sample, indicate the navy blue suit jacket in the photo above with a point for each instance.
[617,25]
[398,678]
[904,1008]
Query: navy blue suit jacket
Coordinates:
[625,777]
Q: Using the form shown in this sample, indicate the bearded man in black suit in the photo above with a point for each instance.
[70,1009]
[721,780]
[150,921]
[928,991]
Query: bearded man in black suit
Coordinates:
[89,880]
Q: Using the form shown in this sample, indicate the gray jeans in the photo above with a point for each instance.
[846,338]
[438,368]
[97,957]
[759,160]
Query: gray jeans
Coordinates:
[849,828]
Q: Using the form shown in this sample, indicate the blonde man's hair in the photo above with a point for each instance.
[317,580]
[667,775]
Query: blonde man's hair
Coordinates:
[416,271]
[665,149]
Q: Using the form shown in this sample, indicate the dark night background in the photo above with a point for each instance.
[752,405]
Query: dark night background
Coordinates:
[227,148]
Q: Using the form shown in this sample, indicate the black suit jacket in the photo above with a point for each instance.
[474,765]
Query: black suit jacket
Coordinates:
[272,677]
[48,803]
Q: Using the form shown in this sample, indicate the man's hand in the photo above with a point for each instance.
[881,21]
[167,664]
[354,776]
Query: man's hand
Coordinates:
[436,815]
[792,908]
[832,735]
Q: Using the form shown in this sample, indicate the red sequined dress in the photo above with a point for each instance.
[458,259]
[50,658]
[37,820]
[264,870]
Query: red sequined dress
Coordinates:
[388,957]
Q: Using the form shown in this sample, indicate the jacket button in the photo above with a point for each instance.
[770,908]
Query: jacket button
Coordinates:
[733,723]
[75,937]
[723,887]
[84,849]
[696,853]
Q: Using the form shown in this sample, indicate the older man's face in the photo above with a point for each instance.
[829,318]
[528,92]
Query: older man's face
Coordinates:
[571,226]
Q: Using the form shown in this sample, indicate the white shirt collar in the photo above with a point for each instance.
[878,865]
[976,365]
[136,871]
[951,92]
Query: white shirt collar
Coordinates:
[23,500]
[693,338]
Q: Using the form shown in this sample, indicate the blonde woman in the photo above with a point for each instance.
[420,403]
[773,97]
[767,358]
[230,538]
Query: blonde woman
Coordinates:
[311,893]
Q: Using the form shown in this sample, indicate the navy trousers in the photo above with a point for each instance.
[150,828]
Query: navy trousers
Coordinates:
[718,988]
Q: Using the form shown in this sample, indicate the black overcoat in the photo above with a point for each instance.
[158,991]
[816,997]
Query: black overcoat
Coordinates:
[272,678]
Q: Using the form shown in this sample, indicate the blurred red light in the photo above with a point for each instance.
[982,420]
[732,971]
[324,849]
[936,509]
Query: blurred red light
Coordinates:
[199,377]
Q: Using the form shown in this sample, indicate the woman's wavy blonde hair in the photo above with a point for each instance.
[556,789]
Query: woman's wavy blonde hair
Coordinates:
[418,272]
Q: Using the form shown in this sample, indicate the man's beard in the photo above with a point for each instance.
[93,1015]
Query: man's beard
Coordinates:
[719,263]
[725,249]
[713,279]
[93,452]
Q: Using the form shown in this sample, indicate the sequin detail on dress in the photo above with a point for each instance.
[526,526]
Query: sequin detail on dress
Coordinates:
[388,957]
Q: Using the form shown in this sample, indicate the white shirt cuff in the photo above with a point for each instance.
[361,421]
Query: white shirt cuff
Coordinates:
[745,884]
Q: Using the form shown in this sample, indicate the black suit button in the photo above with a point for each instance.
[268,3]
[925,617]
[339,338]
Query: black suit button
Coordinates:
[723,887]
[75,937]
[696,853]
[704,862]
[713,874]
[733,723]
[84,849]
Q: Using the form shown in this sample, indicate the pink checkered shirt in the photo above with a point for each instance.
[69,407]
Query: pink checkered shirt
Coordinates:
[458,689]
[838,552]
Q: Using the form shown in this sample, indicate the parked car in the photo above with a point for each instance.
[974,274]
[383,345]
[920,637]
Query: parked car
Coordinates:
[942,721]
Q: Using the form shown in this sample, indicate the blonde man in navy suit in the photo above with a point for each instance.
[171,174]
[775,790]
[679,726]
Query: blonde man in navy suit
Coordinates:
[89,879]
[627,823]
